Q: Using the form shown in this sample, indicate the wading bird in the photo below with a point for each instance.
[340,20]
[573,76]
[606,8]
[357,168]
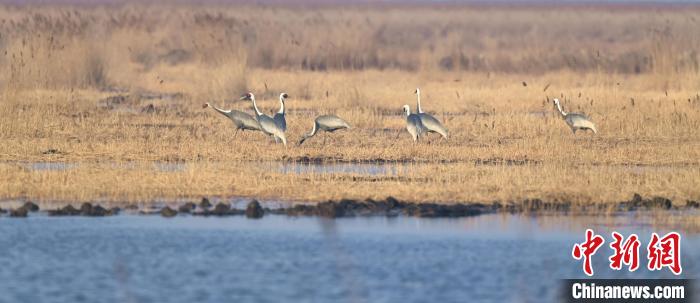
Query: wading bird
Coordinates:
[413,124]
[279,116]
[328,123]
[576,120]
[267,124]
[242,121]
[430,123]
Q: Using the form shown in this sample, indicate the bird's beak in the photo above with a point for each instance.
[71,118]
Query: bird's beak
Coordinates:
[244,97]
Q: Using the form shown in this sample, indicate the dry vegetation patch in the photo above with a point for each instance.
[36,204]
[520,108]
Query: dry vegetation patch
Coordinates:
[115,93]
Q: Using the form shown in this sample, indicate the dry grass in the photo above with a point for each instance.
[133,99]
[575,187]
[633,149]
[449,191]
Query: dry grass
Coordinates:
[634,72]
[146,181]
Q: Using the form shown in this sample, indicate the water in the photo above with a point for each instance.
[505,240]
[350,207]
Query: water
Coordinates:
[283,167]
[49,166]
[370,169]
[61,166]
[494,258]
[170,166]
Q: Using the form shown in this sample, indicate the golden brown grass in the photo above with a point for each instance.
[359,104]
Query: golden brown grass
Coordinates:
[146,182]
[485,72]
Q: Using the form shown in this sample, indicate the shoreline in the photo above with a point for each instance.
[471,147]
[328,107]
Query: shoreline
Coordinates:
[389,207]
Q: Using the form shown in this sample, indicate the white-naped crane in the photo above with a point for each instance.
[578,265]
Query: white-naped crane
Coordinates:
[267,123]
[279,116]
[241,121]
[413,124]
[328,123]
[430,123]
[575,121]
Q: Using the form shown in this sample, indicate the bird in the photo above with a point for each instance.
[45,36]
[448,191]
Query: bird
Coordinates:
[576,120]
[242,121]
[279,116]
[430,123]
[413,124]
[328,123]
[267,124]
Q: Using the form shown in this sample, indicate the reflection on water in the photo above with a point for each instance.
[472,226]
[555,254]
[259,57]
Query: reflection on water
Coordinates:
[58,166]
[368,169]
[491,258]
[283,167]
[170,166]
[48,166]
[372,169]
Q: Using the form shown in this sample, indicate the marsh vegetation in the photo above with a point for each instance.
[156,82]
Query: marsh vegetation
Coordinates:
[115,94]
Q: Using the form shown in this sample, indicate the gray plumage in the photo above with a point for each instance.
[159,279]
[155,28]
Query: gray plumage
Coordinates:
[279,116]
[328,123]
[430,123]
[575,121]
[241,120]
[267,123]
[414,126]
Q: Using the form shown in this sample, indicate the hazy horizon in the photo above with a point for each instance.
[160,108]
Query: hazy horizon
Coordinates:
[364,2]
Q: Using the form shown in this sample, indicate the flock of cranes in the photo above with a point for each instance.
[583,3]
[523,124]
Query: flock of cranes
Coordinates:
[417,124]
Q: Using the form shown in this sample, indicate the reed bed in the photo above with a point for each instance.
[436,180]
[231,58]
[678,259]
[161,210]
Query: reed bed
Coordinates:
[115,91]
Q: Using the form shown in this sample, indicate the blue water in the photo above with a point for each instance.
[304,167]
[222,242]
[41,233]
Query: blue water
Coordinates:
[493,258]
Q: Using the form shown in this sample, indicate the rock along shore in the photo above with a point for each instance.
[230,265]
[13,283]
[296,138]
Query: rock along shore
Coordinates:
[389,207]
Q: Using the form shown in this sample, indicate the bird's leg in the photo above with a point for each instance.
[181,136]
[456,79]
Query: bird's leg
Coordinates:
[235,133]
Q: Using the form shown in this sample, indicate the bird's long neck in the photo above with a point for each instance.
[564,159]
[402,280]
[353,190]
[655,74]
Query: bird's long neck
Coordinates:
[408,111]
[255,106]
[281,111]
[313,130]
[420,110]
[311,134]
[221,111]
[561,111]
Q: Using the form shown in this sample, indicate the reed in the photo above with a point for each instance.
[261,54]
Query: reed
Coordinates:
[118,90]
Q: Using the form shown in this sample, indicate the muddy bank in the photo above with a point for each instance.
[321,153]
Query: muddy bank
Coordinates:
[389,207]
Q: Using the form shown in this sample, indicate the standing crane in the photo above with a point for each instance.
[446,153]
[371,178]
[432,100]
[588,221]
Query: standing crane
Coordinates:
[430,123]
[267,124]
[413,124]
[575,121]
[279,116]
[328,123]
